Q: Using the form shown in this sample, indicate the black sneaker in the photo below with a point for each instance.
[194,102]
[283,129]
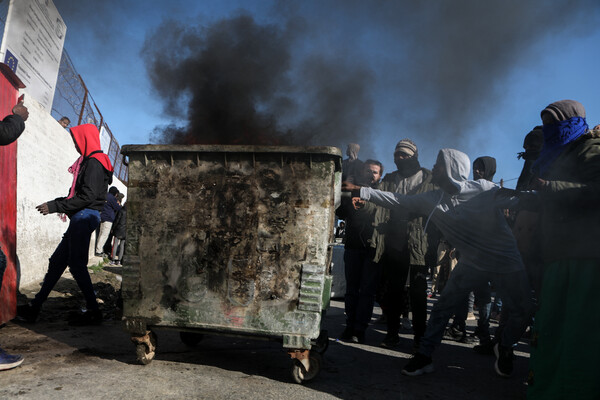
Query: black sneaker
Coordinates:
[346,336]
[486,348]
[453,333]
[418,365]
[467,339]
[504,360]
[27,313]
[391,340]
[90,317]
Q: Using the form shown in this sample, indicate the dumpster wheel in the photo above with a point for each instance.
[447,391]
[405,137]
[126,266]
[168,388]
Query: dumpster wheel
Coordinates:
[145,347]
[300,374]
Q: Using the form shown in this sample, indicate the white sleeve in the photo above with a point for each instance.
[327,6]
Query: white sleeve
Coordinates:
[422,203]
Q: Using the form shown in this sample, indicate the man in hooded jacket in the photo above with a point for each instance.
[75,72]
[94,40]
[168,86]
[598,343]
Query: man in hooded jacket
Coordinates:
[483,168]
[469,215]
[92,173]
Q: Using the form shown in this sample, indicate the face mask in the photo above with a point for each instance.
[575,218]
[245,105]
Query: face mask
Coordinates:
[407,165]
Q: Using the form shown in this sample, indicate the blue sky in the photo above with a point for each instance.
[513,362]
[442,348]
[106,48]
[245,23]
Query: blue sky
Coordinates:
[464,74]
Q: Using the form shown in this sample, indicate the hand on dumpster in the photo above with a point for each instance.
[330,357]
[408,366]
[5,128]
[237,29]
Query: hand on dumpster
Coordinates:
[358,203]
[43,209]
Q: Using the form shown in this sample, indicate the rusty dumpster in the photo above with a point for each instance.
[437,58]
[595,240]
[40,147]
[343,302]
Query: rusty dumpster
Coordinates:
[231,240]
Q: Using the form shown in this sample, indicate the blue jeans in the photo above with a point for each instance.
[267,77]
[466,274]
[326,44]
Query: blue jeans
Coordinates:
[513,287]
[362,278]
[483,300]
[72,251]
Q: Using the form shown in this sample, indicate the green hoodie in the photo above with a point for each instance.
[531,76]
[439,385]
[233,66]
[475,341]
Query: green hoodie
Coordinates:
[570,218]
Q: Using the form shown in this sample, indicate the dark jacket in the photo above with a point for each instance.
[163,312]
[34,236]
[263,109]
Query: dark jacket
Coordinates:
[359,223]
[10,129]
[570,218]
[90,190]
[111,207]
[119,229]
[393,232]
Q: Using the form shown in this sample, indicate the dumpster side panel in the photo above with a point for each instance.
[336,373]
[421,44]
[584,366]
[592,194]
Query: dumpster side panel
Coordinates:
[229,241]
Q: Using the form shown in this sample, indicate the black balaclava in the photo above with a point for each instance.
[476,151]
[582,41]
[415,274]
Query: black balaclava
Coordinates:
[488,166]
[533,143]
[408,166]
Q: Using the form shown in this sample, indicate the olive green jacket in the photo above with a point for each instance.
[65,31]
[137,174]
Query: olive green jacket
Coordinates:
[570,218]
[415,238]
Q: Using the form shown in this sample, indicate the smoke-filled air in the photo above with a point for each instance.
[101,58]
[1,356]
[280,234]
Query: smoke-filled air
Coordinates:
[323,72]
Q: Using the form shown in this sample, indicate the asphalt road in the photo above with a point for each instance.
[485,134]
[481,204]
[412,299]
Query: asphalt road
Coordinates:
[64,362]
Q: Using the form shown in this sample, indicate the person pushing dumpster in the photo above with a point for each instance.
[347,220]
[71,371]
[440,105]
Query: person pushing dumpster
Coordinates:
[468,213]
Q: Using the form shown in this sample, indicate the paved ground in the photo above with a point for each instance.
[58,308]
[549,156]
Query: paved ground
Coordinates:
[99,362]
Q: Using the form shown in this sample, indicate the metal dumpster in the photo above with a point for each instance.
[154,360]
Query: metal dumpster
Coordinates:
[231,240]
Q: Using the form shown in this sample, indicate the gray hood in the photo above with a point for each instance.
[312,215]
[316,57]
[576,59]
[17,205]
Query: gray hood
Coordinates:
[458,167]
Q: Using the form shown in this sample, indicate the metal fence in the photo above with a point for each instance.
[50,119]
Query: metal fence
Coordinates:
[73,100]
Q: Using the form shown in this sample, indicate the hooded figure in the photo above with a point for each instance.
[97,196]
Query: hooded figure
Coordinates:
[564,122]
[567,322]
[468,215]
[484,168]
[92,173]
[532,144]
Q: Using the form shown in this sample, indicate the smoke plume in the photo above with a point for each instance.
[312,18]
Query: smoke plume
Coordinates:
[236,82]
[323,72]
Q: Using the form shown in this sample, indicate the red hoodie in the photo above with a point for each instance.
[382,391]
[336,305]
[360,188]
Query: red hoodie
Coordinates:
[87,140]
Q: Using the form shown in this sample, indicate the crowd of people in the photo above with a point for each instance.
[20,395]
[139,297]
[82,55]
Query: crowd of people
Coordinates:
[532,245]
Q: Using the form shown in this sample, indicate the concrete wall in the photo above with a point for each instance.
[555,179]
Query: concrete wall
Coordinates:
[44,153]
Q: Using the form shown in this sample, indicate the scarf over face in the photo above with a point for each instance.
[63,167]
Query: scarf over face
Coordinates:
[569,124]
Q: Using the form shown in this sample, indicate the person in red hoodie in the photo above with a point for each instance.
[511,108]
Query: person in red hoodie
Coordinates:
[92,173]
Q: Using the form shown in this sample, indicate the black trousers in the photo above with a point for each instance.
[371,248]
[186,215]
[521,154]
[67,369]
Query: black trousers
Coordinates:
[399,277]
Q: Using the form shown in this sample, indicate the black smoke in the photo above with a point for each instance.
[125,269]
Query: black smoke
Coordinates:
[237,82]
[323,72]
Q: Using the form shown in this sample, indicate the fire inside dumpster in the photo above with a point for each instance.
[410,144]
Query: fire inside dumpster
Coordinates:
[231,240]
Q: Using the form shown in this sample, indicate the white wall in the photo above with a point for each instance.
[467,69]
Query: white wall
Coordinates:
[44,153]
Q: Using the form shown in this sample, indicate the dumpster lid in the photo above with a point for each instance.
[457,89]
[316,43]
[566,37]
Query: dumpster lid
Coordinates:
[201,148]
